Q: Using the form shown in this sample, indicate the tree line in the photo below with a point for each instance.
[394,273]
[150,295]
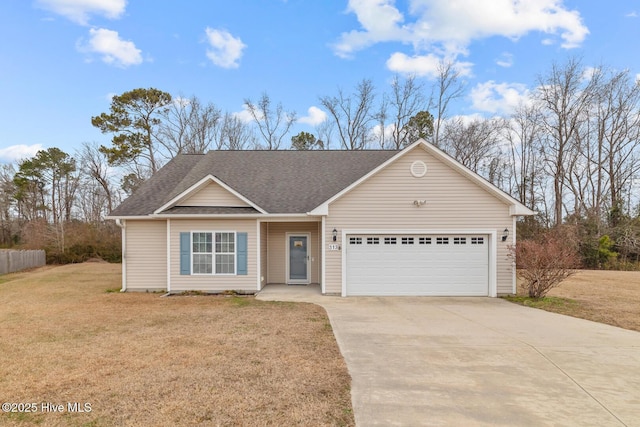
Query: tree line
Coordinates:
[569,151]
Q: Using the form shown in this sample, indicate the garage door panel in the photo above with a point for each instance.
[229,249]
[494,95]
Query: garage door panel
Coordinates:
[459,268]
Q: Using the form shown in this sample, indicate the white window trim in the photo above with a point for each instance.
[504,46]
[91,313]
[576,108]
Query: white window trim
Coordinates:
[214,253]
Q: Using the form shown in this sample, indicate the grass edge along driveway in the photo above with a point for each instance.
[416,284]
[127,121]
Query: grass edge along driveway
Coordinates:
[603,296]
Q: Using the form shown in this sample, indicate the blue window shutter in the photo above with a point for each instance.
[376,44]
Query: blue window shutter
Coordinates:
[185,253]
[241,255]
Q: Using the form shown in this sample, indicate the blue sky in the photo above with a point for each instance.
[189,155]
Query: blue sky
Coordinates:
[61,60]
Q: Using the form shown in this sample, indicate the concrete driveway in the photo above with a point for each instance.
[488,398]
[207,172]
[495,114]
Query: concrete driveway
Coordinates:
[481,361]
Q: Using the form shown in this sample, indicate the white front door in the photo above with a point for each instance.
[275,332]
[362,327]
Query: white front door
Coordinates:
[298,260]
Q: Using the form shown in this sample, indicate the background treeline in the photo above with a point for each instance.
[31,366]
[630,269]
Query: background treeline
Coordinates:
[569,150]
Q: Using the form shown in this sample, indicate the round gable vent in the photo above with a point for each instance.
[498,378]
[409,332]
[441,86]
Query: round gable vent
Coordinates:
[418,169]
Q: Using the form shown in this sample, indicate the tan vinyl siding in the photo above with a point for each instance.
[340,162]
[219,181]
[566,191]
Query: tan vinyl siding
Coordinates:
[277,249]
[385,202]
[213,283]
[264,257]
[213,195]
[146,255]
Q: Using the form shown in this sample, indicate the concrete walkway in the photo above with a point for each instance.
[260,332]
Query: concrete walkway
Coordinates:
[479,361]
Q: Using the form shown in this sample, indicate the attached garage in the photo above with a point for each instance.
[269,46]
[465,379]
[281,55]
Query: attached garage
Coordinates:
[438,264]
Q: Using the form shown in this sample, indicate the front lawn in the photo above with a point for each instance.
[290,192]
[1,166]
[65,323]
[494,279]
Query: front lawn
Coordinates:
[140,359]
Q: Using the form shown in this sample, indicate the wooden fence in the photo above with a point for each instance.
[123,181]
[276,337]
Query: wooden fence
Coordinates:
[11,260]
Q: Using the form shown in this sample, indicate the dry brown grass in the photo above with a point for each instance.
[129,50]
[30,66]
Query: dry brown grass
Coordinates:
[140,359]
[611,297]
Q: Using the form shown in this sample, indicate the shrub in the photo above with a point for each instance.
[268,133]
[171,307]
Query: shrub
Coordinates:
[544,262]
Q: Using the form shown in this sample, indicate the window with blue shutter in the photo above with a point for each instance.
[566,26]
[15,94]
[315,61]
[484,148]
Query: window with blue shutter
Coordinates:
[213,253]
[242,253]
[185,253]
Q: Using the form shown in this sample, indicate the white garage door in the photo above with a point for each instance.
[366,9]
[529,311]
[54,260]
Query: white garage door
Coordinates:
[453,265]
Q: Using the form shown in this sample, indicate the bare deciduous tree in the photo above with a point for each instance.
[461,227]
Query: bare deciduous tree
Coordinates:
[447,88]
[407,100]
[273,124]
[325,133]
[473,143]
[189,127]
[235,134]
[617,139]
[7,202]
[565,94]
[352,115]
[522,131]
[95,166]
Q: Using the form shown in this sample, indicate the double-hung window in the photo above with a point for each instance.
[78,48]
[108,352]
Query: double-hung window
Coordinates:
[202,253]
[225,253]
[213,252]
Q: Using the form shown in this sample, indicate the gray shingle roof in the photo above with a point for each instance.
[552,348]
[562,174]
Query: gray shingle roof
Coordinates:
[276,181]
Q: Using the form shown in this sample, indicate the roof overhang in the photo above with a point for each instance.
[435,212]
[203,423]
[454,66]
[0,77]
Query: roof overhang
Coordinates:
[201,184]
[515,207]
[266,217]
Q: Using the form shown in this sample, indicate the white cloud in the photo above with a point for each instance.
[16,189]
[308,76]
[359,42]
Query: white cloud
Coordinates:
[498,98]
[445,29]
[225,50]
[181,102]
[79,11]
[388,132]
[465,119]
[423,65]
[589,73]
[314,116]
[245,116]
[112,49]
[16,153]
[380,21]
[505,60]
[632,14]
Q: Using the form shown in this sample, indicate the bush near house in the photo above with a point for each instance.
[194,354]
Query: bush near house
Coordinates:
[545,261]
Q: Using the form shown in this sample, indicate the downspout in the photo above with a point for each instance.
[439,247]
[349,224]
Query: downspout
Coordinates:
[122,225]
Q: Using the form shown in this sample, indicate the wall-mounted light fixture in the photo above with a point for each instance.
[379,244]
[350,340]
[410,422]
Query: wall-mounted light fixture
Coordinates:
[335,234]
[418,203]
[505,234]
